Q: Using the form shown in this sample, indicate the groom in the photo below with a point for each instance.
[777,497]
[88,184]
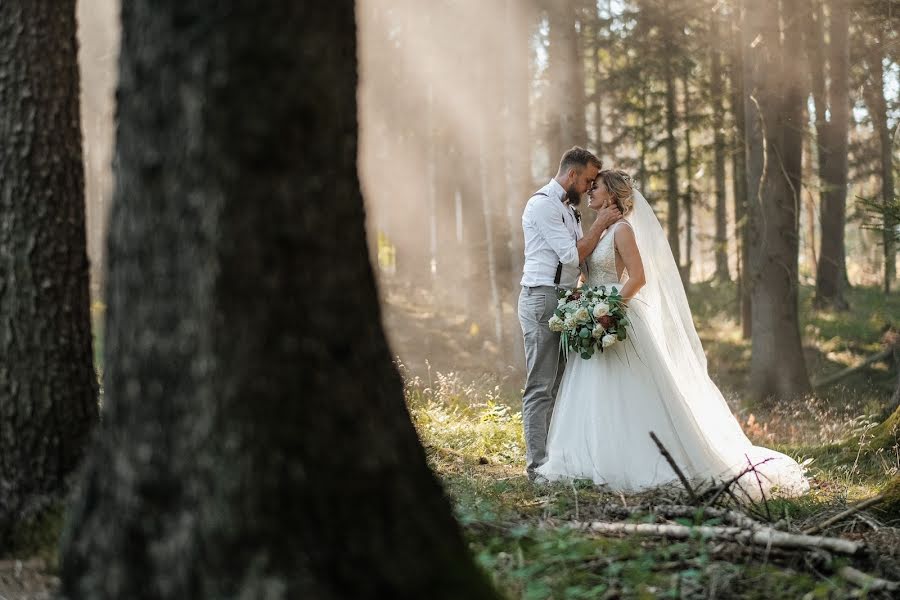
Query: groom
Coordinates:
[555,247]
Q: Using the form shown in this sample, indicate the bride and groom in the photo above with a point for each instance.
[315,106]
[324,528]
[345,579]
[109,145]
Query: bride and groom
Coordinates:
[592,418]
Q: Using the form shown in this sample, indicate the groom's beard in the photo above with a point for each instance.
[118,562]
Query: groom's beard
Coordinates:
[573,196]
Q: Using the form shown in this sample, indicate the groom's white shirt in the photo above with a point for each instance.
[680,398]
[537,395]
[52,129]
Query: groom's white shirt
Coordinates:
[551,233]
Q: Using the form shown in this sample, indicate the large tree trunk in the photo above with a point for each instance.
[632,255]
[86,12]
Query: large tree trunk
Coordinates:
[739,170]
[673,217]
[255,441]
[490,151]
[717,98]
[517,152]
[831,271]
[877,105]
[48,387]
[594,45]
[644,137]
[566,97]
[689,184]
[773,106]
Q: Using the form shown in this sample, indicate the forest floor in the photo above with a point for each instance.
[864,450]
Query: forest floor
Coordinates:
[463,391]
[521,534]
[27,580]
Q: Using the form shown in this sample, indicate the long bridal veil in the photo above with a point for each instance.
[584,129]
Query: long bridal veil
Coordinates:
[664,307]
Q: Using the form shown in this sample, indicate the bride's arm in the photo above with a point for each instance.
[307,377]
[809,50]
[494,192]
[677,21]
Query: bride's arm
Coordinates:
[627,248]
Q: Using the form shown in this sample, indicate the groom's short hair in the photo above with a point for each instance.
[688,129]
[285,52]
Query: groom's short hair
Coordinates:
[579,158]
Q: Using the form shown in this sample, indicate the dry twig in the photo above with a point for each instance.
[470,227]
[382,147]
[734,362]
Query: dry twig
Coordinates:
[671,461]
[843,515]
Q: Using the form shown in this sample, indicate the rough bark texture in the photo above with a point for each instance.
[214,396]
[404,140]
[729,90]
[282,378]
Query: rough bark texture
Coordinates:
[566,101]
[520,17]
[717,97]
[48,387]
[673,218]
[773,103]
[688,198]
[831,270]
[739,172]
[255,443]
[877,105]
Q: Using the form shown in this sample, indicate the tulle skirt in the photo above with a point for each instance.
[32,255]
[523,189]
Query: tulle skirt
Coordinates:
[608,405]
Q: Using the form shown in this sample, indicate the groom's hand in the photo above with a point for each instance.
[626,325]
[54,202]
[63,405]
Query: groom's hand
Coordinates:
[606,216]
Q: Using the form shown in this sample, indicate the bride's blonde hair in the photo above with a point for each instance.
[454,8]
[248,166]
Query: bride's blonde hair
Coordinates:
[620,187]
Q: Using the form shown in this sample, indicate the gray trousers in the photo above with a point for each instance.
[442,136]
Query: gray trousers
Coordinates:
[544,366]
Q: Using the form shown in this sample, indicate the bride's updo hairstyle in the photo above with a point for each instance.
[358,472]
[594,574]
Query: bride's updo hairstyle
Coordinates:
[621,188]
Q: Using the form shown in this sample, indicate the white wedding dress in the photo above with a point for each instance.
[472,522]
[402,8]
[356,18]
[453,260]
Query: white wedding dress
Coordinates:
[655,381]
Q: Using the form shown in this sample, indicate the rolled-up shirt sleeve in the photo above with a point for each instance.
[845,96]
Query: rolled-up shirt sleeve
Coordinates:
[549,223]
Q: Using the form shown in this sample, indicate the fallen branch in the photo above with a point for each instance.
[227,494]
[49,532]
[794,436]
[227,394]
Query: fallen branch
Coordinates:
[851,370]
[868,582]
[843,515]
[689,512]
[671,461]
[762,537]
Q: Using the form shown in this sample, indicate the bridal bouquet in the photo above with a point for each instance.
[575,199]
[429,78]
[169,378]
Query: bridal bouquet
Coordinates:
[589,319]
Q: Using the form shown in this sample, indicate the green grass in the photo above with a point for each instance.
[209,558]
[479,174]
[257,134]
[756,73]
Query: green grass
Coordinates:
[519,535]
[518,531]
[832,340]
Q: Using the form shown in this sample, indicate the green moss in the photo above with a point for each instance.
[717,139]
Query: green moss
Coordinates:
[37,537]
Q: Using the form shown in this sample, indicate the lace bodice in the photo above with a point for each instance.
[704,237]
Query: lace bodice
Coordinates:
[602,261]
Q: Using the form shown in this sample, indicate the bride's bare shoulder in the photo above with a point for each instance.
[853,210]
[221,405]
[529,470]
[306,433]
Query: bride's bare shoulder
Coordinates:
[624,235]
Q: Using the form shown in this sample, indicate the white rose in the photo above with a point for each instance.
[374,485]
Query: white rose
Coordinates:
[601,310]
[570,322]
[582,315]
[598,332]
[556,324]
[609,340]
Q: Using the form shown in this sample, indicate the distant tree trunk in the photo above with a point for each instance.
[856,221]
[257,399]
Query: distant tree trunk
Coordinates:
[689,181]
[673,218]
[430,142]
[831,271]
[255,441]
[48,387]
[717,97]
[596,73]
[644,138]
[519,19]
[873,92]
[811,229]
[490,151]
[773,102]
[739,166]
[566,101]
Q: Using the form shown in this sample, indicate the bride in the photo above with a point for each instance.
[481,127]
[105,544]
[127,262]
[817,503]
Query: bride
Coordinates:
[655,381]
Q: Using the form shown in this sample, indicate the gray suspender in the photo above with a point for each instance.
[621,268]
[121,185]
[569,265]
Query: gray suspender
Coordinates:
[559,266]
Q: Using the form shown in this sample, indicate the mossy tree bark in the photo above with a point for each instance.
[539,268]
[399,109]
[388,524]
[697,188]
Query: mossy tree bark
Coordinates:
[255,442]
[773,111]
[48,387]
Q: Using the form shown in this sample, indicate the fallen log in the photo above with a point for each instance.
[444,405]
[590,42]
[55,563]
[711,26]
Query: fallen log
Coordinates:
[884,354]
[760,536]
[670,511]
[868,582]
